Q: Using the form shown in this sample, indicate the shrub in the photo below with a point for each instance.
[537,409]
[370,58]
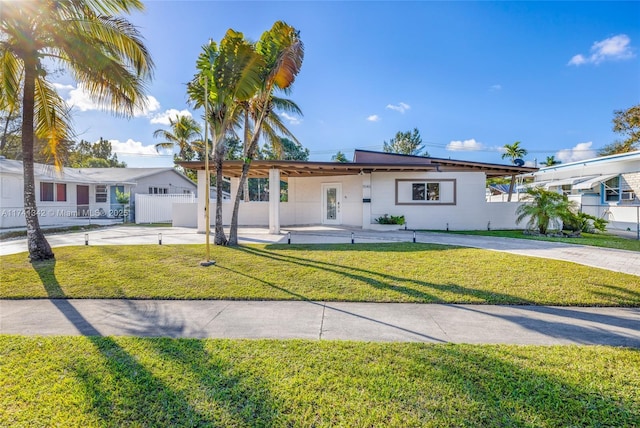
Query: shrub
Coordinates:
[393,219]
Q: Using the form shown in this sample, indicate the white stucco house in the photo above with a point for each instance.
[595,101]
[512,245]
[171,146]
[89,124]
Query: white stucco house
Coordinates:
[607,186]
[67,195]
[430,193]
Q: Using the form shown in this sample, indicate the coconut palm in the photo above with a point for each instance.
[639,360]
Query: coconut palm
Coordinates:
[544,207]
[228,75]
[513,152]
[273,129]
[551,160]
[282,53]
[102,51]
[185,134]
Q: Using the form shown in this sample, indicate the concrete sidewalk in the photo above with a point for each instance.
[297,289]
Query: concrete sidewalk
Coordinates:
[396,322]
[605,258]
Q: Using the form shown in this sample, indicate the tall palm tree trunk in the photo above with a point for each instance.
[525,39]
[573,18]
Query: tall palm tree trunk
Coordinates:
[249,154]
[39,248]
[220,238]
[245,186]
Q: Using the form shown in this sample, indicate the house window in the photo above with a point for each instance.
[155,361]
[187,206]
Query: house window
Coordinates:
[158,190]
[61,192]
[46,192]
[101,193]
[425,192]
[611,190]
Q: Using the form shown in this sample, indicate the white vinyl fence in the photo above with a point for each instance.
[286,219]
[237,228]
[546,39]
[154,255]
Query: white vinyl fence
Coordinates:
[158,208]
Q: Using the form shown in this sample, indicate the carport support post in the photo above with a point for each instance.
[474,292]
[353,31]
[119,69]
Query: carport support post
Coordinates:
[274,201]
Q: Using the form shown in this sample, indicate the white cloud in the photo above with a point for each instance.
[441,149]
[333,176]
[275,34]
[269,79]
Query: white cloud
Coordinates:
[400,107]
[152,105]
[614,48]
[291,119]
[131,147]
[466,145]
[61,88]
[163,118]
[373,118]
[580,152]
[578,60]
[495,87]
[80,99]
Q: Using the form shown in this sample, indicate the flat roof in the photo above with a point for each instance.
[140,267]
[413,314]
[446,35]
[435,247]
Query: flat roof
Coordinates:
[260,168]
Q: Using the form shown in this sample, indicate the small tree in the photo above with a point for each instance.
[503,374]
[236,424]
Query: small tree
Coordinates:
[123,199]
[544,207]
[406,143]
[339,157]
[627,123]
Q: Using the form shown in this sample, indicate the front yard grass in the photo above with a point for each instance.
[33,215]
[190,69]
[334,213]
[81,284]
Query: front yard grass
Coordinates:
[395,272]
[104,381]
[594,239]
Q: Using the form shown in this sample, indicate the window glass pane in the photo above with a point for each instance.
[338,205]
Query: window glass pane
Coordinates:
[433,191]
[46,191]
[612,190]
[61,192]
[419,192]
[101,193]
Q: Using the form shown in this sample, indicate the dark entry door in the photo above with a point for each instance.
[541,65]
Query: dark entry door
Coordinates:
[82,201]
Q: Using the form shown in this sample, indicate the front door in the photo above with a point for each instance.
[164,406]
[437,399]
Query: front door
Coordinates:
[331,206]
[82,201]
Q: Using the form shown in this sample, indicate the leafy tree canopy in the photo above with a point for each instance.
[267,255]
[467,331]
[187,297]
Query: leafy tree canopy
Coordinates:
[406,143]
[289,150]
[96,155]
[626,123]
[339,157]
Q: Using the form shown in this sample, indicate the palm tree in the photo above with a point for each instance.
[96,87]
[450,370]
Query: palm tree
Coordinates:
[543,208]
[185,134]
[273,128]
[551,160]
[227,75]
[282,53]
[514,151]
[103,52]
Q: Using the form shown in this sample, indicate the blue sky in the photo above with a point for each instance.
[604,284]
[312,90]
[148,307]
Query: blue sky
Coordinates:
[471,76]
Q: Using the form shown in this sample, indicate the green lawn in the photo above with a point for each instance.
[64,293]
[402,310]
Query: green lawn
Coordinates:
[594,239]
[396,272]
[91,381]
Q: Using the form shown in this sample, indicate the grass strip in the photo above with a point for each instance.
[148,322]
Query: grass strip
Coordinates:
[395,272]
[103,381]
[604,240]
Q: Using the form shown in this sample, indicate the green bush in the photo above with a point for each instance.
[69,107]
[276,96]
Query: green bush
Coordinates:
[582,222]
[390,219]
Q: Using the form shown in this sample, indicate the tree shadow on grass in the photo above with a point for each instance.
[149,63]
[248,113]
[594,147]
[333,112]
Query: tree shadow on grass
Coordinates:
[416,289]
[510,394]
[122,390]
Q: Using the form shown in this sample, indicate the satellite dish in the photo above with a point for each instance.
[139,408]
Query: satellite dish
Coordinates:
[518,162]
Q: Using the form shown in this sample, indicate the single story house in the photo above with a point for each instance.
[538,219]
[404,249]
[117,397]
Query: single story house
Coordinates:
[66,195]
[430,193]
[607,186]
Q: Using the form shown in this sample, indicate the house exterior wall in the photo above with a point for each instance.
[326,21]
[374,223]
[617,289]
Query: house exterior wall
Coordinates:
[461,204]
[467,209]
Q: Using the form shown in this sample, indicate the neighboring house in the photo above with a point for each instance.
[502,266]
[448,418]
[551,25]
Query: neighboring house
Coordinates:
[431,193]
[607,186]
[66,195]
